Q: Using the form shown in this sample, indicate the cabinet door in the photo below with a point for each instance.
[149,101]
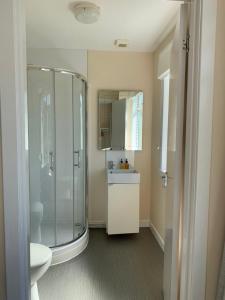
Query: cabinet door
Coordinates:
[123,208]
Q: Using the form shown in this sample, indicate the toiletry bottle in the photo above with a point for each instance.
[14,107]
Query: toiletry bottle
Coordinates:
[121,164]
[126,164]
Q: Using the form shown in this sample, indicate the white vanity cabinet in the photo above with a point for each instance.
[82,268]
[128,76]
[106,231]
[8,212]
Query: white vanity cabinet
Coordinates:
[123,208]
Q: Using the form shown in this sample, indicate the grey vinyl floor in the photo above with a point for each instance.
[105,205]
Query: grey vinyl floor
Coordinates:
[123,267]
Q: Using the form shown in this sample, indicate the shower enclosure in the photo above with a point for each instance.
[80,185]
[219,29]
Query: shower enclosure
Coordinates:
[57,160]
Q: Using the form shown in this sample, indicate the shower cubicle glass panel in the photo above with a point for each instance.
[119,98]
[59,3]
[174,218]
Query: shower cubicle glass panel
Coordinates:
[57,155]
[41,155]
[64,157]
[79,126]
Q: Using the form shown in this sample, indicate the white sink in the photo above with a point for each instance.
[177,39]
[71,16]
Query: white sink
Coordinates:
[123,176]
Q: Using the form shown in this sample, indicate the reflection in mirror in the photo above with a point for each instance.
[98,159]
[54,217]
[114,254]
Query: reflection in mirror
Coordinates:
[120,120]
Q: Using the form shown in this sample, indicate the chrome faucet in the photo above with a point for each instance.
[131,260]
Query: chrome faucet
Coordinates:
[111,164]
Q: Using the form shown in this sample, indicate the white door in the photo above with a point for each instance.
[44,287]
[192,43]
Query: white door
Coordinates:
[172,175]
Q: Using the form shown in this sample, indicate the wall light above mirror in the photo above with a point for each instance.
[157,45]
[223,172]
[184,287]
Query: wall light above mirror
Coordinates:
[120,118]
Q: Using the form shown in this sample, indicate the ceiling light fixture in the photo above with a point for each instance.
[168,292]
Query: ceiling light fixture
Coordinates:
[86,12]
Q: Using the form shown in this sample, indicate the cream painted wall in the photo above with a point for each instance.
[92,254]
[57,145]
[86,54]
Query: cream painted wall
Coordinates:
[216,233]
[158,193]
[118,70]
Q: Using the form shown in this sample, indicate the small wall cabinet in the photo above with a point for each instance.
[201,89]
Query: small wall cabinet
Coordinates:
[123,208]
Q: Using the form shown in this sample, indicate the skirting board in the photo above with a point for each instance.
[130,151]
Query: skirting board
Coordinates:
[96,224]
[101,224]
[157,236]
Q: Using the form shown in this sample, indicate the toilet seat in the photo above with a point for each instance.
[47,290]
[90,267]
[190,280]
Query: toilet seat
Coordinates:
[39,255]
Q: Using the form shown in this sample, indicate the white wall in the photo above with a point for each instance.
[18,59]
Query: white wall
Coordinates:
[125,71]
[74,60]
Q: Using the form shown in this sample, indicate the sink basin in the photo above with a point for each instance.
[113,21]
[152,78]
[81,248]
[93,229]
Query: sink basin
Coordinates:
[123,176]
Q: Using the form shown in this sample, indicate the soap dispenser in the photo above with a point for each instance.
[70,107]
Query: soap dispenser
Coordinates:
[121,164]
[126,164]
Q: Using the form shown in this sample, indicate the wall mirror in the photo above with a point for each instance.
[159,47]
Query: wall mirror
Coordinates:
[120,120]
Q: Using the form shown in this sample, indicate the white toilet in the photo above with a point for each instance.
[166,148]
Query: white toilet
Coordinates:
[40,260]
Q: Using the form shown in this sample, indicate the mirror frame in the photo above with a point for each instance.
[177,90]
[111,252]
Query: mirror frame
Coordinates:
[98,122]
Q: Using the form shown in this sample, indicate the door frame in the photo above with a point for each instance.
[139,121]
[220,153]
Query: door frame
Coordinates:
[14,148]
[198,149]
[15,154]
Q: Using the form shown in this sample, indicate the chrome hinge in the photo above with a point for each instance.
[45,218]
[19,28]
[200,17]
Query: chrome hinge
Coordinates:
[186,43]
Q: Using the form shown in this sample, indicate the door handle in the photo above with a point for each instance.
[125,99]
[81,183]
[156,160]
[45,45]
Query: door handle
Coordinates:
[51,161]
[76,158]
[165,178]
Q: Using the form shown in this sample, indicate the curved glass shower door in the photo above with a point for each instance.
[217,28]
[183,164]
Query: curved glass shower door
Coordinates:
[41,130]
[64,157]
[57,155]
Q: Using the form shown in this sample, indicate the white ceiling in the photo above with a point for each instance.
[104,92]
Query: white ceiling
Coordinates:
[51,24]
